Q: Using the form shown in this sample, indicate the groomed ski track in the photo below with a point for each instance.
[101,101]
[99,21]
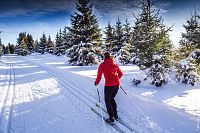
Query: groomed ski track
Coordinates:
[7,100]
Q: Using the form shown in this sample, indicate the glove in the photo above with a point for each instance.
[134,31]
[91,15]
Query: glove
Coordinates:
[95,83]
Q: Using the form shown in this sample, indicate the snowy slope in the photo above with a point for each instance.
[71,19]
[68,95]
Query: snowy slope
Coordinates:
[44,94]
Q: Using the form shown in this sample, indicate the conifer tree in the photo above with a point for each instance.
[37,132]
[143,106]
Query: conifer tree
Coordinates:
[60,48]
[85,35]
[18,49]
[150,36]
[118,38]
[21,48]
[191,39]
[50,45]
[127,32]
[186,73]
[109,38]
[10,48]
[7,50]
[24,49]
[43,44]
[66,38]
[30,43]
[151,40]
[20,38]
[125,51]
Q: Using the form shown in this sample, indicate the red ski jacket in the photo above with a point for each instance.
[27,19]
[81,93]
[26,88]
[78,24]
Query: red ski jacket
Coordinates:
[112,73]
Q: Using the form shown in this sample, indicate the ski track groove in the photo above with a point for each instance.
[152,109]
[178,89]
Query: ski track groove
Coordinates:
[6,110]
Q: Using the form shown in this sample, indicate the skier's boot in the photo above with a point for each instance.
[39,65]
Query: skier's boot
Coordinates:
[116,117]
[110,120]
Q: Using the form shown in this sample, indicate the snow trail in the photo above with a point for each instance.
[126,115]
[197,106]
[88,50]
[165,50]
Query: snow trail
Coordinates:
[7,106]
[52,97]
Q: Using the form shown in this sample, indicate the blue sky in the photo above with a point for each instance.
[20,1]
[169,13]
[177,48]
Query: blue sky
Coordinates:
[48,16]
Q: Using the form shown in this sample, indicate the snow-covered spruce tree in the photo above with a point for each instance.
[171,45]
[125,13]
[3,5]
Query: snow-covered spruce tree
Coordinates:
[186,72]
[109,37]
[66,38]
[7,50]
[21,48]
[30,43]
[127,32]
[11,48]
[50,45]
[118,39]
[150,35]
[59,46]
[151,40]
[158,73]
[124,52]
[191,39]
[85,35]
[42,47]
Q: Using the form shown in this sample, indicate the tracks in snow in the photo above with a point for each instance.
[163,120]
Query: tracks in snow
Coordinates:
[7,105]
[83,97]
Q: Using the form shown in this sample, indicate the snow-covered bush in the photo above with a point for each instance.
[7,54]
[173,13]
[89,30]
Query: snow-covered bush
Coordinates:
[158,74]
[186,73]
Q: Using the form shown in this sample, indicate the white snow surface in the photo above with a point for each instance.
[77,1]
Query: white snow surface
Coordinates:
[44,94]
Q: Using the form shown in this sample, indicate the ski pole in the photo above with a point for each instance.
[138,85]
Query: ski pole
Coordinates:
[98,94]
[123,90]
[100,108]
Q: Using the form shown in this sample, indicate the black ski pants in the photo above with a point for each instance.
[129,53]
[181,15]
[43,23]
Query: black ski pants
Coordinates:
[110,93]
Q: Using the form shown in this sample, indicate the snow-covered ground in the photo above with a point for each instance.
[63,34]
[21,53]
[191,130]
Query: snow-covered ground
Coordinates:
[44,94]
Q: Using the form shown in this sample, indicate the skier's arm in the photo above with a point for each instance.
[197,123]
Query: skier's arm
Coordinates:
[99,74]
[119,71]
